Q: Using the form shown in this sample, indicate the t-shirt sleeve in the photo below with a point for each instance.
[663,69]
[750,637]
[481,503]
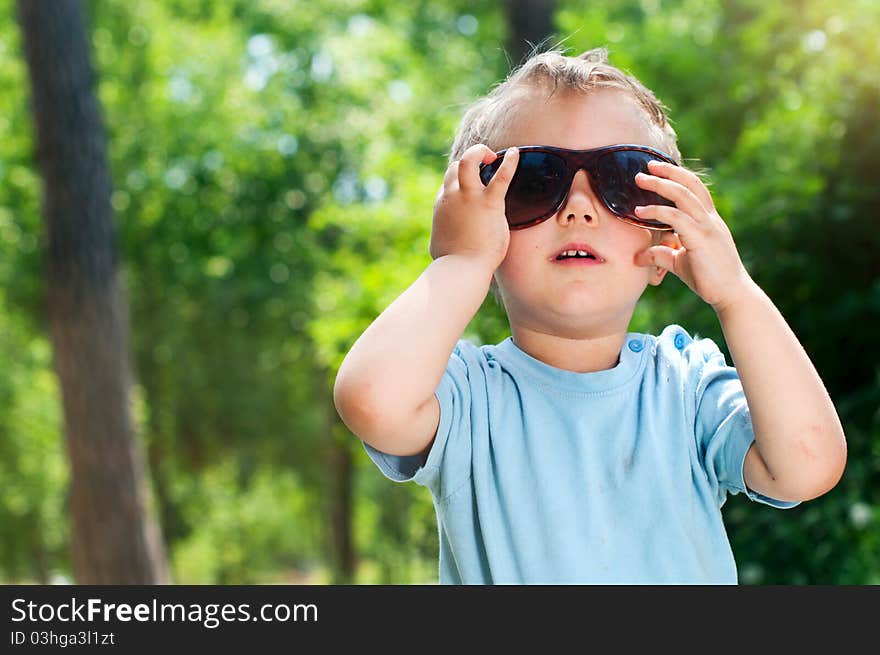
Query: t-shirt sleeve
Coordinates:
[447,465]
[723,424]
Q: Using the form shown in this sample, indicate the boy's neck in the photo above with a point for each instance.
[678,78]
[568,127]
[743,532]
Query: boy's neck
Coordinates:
[580,355]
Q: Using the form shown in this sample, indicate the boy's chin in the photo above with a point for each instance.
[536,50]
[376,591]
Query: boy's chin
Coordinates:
[577,323]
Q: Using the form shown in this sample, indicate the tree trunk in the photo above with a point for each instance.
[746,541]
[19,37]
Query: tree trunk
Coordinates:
[341,503]
[529,23]
[338,486]
[114,538]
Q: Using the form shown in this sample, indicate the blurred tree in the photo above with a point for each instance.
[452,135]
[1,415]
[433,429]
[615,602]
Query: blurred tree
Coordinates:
[529,22]
[114,538]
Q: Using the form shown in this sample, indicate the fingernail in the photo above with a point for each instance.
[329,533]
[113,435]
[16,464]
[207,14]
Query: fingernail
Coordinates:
[639,209]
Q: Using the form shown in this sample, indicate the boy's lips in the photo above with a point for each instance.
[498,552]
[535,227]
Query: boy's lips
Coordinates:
[593,256]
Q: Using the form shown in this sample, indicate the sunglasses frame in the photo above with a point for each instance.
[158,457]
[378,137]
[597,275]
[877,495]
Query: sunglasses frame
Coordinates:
[576,160]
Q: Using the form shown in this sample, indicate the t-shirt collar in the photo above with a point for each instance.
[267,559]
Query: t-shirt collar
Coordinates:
[632,358]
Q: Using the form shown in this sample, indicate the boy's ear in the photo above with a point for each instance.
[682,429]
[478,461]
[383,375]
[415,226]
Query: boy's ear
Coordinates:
[657,276]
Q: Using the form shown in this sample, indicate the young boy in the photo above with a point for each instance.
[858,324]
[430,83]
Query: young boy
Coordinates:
[575,451]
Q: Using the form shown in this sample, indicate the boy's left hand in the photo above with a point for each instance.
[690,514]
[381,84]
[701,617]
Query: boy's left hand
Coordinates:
[709,262]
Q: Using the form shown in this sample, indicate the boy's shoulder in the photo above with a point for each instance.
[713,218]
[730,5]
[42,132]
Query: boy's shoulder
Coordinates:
[676,344]
[469,347]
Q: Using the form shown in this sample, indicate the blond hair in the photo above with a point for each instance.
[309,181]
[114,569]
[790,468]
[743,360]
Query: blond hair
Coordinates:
[485,120]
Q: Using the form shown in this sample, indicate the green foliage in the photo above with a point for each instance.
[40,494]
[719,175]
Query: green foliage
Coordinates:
[275,166]
[33,473]
[247,529]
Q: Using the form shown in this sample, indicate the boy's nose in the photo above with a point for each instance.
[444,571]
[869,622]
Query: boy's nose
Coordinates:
[580,201]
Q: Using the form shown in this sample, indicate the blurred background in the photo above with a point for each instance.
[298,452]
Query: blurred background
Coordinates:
[204,203]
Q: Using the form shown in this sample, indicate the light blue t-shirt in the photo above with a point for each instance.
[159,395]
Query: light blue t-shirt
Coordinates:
[541,475]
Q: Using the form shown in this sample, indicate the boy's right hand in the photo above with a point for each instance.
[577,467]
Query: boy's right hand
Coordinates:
[469,218]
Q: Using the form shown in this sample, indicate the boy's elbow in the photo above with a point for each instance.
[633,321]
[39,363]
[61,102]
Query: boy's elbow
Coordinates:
[833,472]
[373,422]
[826,476]
[350,406]
[359,410]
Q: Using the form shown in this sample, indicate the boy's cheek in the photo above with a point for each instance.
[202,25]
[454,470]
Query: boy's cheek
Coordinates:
[509,273]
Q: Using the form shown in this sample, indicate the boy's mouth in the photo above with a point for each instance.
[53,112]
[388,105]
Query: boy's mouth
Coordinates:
[577,253]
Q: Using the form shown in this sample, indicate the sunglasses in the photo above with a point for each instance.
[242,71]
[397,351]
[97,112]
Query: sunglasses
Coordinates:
[544,175]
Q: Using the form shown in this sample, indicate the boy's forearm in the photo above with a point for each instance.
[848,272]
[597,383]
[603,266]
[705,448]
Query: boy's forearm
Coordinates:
[397,363]
[797,429]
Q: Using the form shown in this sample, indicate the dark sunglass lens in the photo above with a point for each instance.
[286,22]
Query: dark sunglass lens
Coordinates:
[487,171]
[536,189]
[616,178]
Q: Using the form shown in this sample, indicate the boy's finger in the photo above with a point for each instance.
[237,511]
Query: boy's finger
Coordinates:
[683,197]
[661,256]
[679,220]
[469,166]
[451,174]
[501,180]
[686,178]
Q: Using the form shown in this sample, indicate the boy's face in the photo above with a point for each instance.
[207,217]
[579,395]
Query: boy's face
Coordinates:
[574,300]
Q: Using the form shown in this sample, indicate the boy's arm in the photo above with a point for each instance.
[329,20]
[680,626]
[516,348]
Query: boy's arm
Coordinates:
[384,391]
[799,451]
